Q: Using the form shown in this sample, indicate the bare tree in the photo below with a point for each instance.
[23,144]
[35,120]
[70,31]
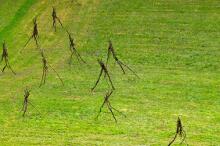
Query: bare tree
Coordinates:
[109,106]
[179,132]
[6,58]
[55,19]
[121,64]
[73,49]
[26,102]
[45,70]
[35,34]
[103,69]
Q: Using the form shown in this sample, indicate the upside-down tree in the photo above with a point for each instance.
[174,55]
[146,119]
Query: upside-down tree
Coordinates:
[109,106]
[45,69]
[120,63]
[106,73]
[6,58]
[26,102]
[35,34]
[55,19]
[73,49]
[179,132]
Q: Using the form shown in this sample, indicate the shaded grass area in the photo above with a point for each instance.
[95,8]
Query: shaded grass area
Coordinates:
[6,15]
[19,14]
[174,47]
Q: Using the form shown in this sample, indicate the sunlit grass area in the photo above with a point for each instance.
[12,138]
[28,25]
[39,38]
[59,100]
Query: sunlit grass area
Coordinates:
[173,45]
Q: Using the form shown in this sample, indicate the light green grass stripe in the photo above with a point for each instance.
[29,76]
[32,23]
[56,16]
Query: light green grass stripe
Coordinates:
[17,18]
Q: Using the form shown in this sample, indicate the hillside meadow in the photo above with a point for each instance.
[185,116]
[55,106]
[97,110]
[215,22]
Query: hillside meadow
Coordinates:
[173,45]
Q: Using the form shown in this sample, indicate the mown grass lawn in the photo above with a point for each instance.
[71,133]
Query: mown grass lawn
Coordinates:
[173,45]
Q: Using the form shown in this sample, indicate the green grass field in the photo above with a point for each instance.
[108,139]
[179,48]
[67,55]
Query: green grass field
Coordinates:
[173,45]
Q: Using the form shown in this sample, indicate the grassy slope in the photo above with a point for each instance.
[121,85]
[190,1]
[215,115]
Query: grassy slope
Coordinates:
[174,46]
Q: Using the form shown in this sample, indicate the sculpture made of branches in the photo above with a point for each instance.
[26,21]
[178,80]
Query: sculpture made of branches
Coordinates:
[55,19]
[73,49]
[6,58]
[109,106]
[106,73]
[35,34]
[26,102]
[45,70]
[120,63]
[179,132]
